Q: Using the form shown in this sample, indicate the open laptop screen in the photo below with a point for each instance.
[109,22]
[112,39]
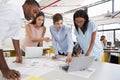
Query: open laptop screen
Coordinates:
[33,52]
[79,63]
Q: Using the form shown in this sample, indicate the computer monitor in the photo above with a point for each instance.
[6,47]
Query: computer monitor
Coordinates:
[109,43]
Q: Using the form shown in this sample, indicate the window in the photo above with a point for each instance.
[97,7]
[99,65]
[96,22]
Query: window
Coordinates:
[111,26]
[111,31]
[117,5]
[117,35]
[100,9]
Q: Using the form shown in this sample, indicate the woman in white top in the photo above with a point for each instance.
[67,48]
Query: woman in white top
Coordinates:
[86,33]
[35,32]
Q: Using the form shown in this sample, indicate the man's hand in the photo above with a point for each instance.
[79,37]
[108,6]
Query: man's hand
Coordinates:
[11,74]
[55,57]
[6,72]
[18,59]
[17,50]
[69,58]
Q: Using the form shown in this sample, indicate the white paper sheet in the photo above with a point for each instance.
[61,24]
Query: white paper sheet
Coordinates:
[27,72]
[62,59]
[35,67]
[84,73]
[53,63]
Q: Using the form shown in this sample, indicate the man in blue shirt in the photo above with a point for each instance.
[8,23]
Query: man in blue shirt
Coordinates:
[61,38]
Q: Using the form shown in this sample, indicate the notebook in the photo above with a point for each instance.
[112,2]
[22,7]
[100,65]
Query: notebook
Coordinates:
[33,52]
[79,63]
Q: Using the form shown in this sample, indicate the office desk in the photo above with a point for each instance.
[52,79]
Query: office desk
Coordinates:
[112,50]
[108,52]
[104,71]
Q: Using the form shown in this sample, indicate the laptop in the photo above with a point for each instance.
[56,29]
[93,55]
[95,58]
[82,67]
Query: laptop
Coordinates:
[33,52]
[79,63]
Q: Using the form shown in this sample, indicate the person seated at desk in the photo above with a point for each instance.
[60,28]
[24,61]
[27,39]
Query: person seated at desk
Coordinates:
[35,32]
[103,41]
[61,38]
[86,34]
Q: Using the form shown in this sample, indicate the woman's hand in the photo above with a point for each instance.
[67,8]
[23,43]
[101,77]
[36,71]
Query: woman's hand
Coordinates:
[87,54]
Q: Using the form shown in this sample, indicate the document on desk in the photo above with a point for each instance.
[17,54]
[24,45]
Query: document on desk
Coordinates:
[37,67]
[62,59]
[27,72]
[51,63]
[44,63]
[83,73]
[33,64]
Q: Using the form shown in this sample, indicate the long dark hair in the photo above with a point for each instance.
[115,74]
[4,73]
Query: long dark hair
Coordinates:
[82,14]
[39,14]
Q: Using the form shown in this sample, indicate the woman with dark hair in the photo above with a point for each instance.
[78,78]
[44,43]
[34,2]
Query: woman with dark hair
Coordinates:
[35,32]
[86,33]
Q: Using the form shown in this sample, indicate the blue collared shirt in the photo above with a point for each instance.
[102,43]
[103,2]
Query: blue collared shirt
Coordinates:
[62,39]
